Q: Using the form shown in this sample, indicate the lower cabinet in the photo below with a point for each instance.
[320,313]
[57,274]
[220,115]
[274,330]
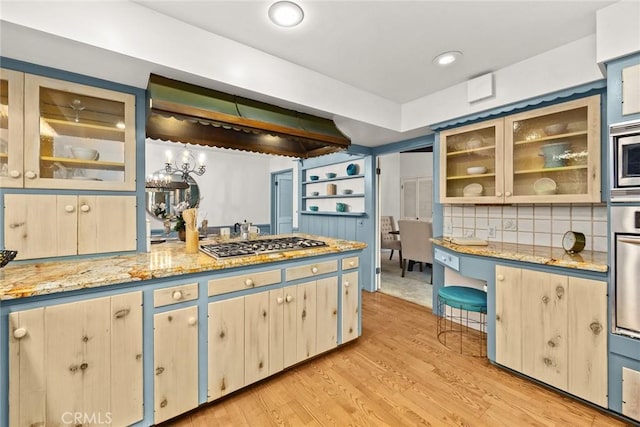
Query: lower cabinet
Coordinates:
[80,360]
[631,393]
[73,225]
[256,337]
[350,291]
[175,355]
[553,328]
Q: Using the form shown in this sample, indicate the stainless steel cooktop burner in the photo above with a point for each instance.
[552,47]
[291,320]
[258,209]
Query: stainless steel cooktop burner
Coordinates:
[254,247]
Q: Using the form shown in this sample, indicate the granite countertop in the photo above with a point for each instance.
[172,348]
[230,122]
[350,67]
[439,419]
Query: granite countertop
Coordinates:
[585,260]
[21,280]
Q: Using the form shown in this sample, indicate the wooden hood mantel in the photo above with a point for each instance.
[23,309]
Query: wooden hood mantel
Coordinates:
[183,112]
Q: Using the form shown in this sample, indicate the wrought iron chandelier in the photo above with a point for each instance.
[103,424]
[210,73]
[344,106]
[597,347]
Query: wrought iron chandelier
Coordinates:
[187,166]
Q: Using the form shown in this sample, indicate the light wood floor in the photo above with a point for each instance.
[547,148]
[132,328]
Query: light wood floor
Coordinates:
[396,374]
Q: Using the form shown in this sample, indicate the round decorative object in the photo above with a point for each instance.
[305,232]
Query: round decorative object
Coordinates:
[313,208]
[472,190]
[314,177]
[330,175]
[573,242]
[347,191]
[476,170]
[315,193]
[352,169]
[545,186]
[555,129]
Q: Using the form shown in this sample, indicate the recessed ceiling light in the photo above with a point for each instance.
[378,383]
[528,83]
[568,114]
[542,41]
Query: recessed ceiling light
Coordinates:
[447,58]
[286,13]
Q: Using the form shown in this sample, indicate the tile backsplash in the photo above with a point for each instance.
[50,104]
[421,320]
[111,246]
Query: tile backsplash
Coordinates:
[538,224]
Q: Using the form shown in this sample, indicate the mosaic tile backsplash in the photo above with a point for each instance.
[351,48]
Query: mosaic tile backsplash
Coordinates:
[542,225]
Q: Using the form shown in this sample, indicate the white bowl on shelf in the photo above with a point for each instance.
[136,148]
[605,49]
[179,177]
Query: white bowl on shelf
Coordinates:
[472,190]
[476,170]
[84,153]
[545,186]
[555,129]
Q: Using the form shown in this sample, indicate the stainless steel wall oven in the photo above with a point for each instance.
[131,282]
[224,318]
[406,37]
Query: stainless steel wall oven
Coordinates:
[625,161]
[625,244]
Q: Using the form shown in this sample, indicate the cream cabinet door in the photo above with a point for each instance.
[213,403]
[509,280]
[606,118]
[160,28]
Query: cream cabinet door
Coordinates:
[544,321]
[106,224]
[175,353]
[306,324]
[350,292]
[40,226]
[226,347]
[11,128]
[587,323]
[83,357]
[327,314]
[276,330]
[508,321]
[256,337]
[631,393]
[290,325]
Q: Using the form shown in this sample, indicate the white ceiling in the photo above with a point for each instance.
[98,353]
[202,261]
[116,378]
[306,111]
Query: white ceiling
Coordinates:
[358,62]
[386,47]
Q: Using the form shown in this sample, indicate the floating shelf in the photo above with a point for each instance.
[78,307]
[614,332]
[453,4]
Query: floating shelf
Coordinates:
[550,138]
[330,213]
[338,178]
[471,150]
[337,196]
[545,170]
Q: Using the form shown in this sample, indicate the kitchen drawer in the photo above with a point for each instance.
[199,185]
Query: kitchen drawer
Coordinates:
[244,281]
[175,294]
[311,270]
[349,263]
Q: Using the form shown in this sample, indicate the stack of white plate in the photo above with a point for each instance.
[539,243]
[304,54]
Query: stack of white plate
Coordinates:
[472,190]
[545,186]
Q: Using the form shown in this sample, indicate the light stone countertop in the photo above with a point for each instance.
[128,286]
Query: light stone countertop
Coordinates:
[21,280]
[585,260]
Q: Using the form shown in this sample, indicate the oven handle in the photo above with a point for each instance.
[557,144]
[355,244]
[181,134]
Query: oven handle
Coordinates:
[633,241]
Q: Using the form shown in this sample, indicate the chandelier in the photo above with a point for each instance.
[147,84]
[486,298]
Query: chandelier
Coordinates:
[187,164]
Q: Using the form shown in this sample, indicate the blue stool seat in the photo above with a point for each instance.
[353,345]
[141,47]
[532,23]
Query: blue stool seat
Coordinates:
[464,298]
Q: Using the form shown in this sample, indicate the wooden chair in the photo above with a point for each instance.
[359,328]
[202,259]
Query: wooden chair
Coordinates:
[415,236]
[387,240]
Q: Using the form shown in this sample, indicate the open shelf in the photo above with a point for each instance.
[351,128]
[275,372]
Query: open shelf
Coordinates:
[337,196]
[333,213]
[338,178]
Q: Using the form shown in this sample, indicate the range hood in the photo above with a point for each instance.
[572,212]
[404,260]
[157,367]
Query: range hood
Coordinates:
[182,112]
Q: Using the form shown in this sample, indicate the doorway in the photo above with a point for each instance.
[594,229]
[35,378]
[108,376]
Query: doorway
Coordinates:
[282,202]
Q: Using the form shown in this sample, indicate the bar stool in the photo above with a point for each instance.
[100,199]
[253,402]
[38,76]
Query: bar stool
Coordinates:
[464,299]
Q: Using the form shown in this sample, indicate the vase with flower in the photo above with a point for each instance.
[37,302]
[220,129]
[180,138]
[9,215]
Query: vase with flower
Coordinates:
[180,226]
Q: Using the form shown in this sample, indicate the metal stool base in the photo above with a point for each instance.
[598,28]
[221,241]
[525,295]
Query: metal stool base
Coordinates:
[450,324]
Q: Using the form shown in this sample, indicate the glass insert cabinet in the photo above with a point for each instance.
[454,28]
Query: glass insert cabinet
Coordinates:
[65,135]
[546,155]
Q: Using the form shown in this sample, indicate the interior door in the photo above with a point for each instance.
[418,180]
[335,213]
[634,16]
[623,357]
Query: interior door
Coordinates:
[282,202]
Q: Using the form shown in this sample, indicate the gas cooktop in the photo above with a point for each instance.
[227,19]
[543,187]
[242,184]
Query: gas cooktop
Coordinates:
[254,247]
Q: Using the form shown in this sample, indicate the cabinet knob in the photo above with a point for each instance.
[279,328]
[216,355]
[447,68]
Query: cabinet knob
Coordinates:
[352,263]
[500,277]
[19,333]
[508,194]
[177,295]
[279,300]
[346,284]
[14,173]
[249,283]
[85,208]
[192,321]
[69,208]
[289,298]
[314,270]
[498,194]
[30,174]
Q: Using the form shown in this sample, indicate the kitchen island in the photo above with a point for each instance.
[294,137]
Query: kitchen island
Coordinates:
[137,339]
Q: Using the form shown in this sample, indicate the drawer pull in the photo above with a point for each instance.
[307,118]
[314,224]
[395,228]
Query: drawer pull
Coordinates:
[500,277]
[85,208]
[498,194]
[279,300]
[352,263]
[30,174]
[177,295]
[507,193]
[69,208]
[14,174]
[192,321]
[289,298]
[314,270]
[19,333]
[346,283]
[249,283]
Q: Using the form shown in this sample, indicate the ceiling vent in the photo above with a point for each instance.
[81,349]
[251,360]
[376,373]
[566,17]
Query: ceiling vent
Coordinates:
[183,112]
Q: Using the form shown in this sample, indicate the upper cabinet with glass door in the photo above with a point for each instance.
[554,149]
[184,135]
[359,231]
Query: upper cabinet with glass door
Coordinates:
[11,128]
[75,137]
[471,163]
[549,155]
[555,153]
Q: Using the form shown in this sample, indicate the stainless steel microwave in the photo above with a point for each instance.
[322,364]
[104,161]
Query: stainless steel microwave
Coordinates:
[625,161]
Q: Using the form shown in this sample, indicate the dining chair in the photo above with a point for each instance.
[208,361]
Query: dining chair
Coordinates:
[388,240]
[415,236]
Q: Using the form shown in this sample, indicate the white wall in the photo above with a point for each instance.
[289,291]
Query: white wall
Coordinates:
[618,30]
[236,185]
